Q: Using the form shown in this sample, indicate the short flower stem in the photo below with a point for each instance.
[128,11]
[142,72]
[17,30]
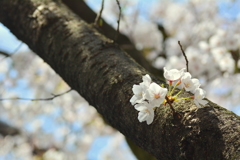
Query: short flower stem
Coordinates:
[169,89]
[183,98]
[170,104]
[173,89]
[179,92]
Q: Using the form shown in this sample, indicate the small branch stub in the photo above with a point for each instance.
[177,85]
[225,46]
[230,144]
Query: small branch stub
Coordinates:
[118,21]
[97,21]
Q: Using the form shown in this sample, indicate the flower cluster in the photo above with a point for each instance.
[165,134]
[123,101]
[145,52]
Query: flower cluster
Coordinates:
[149,95]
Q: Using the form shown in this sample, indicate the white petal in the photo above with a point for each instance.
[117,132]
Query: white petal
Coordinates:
[137,89]
[163,92]
[147,78]
[203,102]
[133,99]
[186,75]
[173,74]
[150,119]
[196,82]
[140,107]
[142,116]
[154,87]
[196,102]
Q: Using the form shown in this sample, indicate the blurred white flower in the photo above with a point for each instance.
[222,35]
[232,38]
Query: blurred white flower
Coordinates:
[216,41]
[4,65]
[53,154]
[232,41]
[159,62]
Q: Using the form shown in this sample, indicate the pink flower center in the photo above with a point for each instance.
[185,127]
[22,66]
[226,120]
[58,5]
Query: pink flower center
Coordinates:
[186,85]
[156,96]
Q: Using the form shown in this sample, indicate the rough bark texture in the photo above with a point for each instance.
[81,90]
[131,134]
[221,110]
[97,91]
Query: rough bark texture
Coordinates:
[81,9]
[104,75]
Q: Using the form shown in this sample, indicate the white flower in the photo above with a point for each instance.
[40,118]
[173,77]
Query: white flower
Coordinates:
[227,63]
[232,41]
[156,94]
[173,74]
[198,97]
[219,52]
[204,46]
[146,112]
[146,81]
[139,91]
[188,83]
[197,62]
[139,94]
[53,154]
[216,40]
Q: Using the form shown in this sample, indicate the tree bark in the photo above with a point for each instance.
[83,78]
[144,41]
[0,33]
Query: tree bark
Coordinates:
[80,8]
[104,75]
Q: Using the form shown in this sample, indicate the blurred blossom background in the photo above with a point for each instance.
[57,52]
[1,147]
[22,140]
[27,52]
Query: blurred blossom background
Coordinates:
[67,127]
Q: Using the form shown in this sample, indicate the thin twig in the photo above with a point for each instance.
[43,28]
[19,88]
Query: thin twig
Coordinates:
[96,22]
[37,99]
[18,47]
[184,54]
[120,14]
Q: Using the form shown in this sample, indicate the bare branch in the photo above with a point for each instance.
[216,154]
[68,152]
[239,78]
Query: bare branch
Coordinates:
[119,16]
[10,54]
[96,22]
[183,54]
[5,54]
[37,99]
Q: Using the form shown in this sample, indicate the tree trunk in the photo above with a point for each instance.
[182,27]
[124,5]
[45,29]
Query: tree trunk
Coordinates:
[104,75]
[81,9]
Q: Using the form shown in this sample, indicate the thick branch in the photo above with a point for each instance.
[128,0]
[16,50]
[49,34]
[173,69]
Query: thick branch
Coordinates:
[104,75]
[81,9]
[6,130]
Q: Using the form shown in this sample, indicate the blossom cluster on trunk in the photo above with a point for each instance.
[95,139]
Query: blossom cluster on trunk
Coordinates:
[149,95]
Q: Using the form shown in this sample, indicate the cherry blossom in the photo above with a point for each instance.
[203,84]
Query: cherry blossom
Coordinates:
[189,84]
[173,74]
[146,81]
[156,94]
[139,94]
[146,112]
[198,97]
[148,94]
[140,90]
